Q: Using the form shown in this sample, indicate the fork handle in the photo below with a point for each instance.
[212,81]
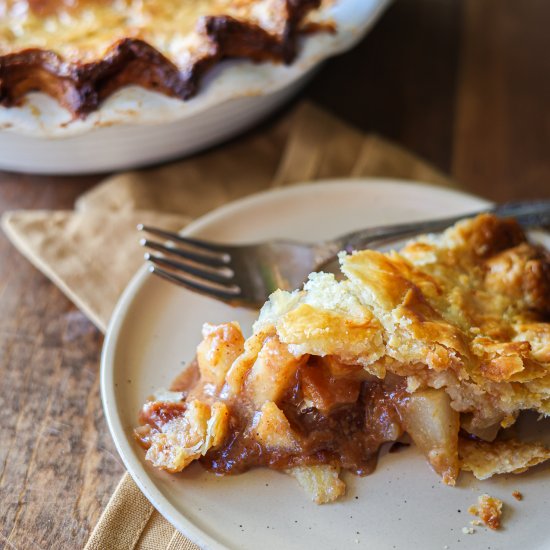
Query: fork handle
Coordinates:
[527,213]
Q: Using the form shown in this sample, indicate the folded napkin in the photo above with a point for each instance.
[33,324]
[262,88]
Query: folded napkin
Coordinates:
[91,253]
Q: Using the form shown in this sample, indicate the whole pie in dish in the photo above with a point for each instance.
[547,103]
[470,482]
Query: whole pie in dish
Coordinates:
[445,343]
[81,51]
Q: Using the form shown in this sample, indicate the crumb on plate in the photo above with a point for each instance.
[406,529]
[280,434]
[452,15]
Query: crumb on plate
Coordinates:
[488,509]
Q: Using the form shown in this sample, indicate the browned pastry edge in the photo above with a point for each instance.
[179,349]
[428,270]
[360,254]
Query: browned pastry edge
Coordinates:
[81,87]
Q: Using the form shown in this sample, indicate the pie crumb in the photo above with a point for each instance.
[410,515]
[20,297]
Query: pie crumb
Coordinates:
[488,509]
[468,530]
[517,495]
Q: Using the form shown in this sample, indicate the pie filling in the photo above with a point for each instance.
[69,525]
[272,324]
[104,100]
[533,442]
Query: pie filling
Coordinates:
[338,421]
[443,343]
[82,51]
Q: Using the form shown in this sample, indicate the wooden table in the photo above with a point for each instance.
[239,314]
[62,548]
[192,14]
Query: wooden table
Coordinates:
[464,83]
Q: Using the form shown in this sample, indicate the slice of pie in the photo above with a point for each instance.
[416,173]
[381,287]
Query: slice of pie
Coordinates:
[81,51]
[446,341]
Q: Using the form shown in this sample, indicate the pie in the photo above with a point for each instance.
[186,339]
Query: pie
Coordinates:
[444,342]
[81,51]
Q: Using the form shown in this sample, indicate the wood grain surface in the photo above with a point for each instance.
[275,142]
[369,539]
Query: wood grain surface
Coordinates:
[464,83]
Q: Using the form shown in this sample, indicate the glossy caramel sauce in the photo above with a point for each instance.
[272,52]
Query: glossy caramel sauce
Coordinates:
[187,379]
[160,413]
[351,421]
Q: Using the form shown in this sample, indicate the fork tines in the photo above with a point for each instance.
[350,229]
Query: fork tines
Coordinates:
[191,263]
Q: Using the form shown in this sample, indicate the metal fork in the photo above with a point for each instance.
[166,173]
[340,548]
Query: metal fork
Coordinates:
[245,275]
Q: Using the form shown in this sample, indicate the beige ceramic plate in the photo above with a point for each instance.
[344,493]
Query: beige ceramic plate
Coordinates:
[403,505]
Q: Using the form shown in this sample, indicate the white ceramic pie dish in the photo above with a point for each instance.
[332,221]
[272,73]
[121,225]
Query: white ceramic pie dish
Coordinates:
[135,127]
[402,505]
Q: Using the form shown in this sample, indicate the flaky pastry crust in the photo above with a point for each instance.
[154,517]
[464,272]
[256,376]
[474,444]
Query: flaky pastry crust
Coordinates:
[81,52]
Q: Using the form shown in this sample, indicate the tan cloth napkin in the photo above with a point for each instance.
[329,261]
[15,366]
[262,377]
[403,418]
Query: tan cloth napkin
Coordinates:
[92,252]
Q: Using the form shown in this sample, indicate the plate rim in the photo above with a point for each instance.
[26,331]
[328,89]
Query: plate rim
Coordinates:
[118,317]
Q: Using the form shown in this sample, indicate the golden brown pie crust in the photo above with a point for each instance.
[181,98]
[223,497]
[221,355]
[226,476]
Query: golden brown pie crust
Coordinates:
[80,84]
